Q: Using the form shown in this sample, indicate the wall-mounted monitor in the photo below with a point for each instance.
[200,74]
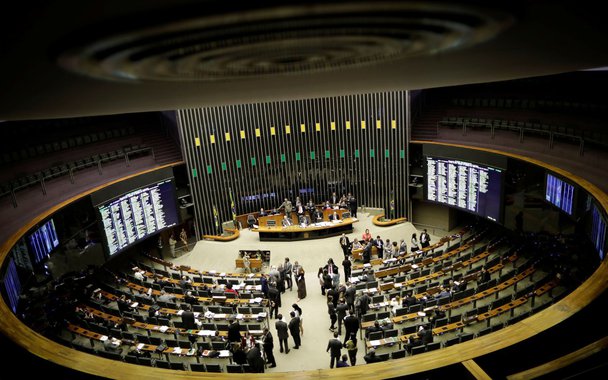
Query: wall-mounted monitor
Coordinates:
[468,186]
[12,285]
[138,214]
[43,241]
[559,193]
[598,231]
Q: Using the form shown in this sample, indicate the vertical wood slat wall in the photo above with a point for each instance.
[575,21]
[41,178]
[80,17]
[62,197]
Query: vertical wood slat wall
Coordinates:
[266,152]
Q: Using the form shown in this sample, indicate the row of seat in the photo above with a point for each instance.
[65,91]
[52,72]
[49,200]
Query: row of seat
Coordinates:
[541,104]
[10,157]
[67,168]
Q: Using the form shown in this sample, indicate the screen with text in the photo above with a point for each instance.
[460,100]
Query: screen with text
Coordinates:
[138,214]
[559,193]
[465,185]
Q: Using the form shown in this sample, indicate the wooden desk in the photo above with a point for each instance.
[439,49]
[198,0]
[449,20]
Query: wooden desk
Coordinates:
[280,233]
[253,263]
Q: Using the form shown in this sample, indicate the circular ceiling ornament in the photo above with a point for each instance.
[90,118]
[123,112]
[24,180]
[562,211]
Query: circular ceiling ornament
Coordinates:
[285,40]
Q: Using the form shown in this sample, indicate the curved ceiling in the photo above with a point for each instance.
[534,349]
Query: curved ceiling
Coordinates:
[63,59]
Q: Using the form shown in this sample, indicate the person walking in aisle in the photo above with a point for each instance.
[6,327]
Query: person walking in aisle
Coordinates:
[335,346]
[298,310]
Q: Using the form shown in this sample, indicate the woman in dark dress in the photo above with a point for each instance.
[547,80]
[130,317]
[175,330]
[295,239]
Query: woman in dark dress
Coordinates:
[301,282]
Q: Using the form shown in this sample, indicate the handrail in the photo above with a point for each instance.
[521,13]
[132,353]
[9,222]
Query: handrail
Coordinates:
[234,234]
[385,223]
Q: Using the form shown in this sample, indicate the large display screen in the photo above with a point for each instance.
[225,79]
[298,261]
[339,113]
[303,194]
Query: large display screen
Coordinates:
[138,214]
[598,231]
[559,193]
[43,241]
[465,185]
[12,285]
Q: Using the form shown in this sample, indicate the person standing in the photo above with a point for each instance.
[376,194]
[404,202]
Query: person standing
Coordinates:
[352,205]
[331,310]
[183,236]
[301,284]
[298,310]
[282,333]
[172,243]
[351,325]
[425,239]
[234,332]
[294,329]
[349,295]
[347,264]
[367,252]
[287,206]
[288,268]
[274,296]
[351,348]
[345,245]
[414,242]
[335,346]
[320,275]
[255,360]
[341,313]
[268,344]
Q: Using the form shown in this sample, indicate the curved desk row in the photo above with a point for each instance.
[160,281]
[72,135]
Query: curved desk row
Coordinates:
[314,231]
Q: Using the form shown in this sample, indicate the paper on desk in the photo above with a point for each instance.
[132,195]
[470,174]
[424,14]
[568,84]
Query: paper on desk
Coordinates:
[177,350]
[103,338]
[140,346]
[163,328]
[375,342]
[422,314]
[224,354]
[180,312]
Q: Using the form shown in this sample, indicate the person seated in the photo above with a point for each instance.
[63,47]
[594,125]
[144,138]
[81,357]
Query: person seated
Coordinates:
[356,244]
[286,221]
[310,207]
[304,221]
[318,216]
[228,289]
[274,211]
[262,212]
[327,206]
[371,357]
[251,221]
[189,298]
[375,328]
[366,237]
[413,341]
[334,216]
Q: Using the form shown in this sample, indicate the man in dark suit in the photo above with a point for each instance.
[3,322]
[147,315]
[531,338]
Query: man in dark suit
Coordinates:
[188,319]
[234,332]
[367,252]
[282,333]
[334,216]
[294,329]
[262,212]
[268,343]
[364,301]
[351,325]
[425,239]
[335,346]
[341,310]
[317,216]
[345,245]
[331,267]
[352,205]
[255,360]
[274,296]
